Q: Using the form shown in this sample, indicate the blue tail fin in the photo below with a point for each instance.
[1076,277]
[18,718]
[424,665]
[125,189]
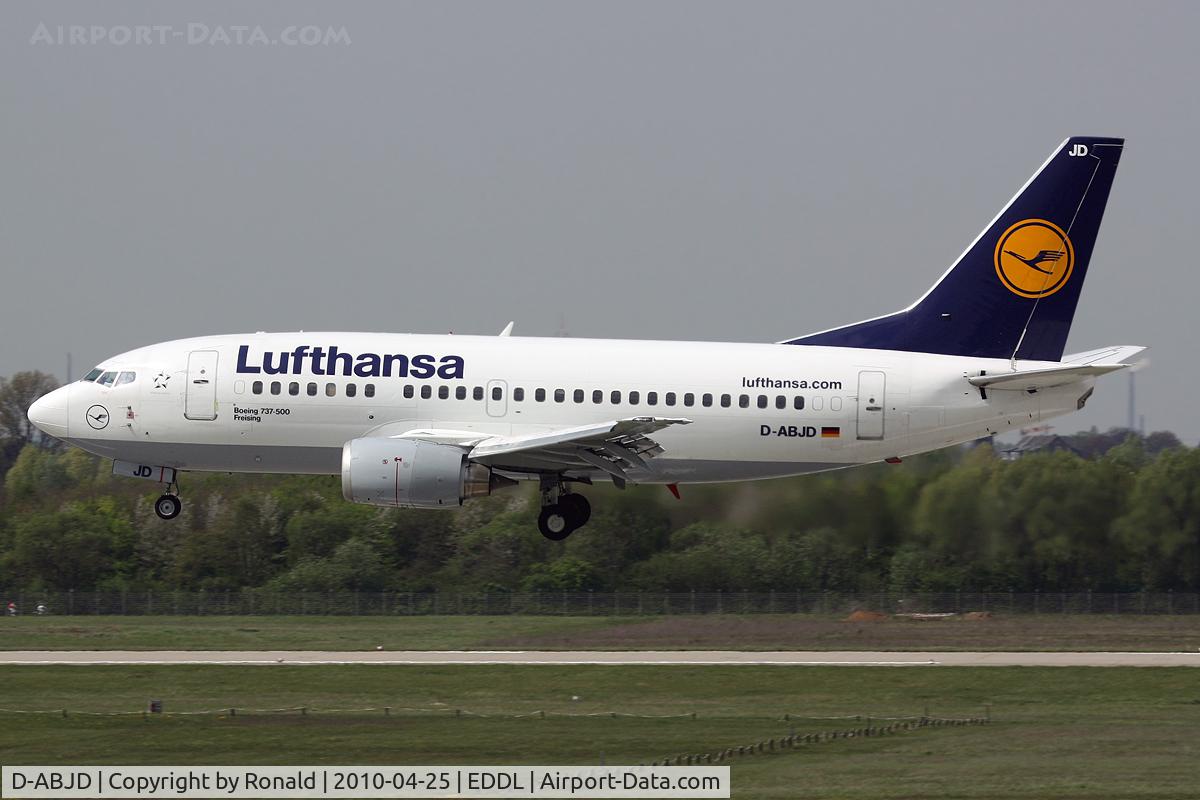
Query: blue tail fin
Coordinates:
[1013,292]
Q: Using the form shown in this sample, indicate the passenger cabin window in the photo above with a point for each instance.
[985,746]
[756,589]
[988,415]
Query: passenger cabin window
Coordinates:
[689,399]
[539,395]
[351,389]
[293,388]
[651,398]
[256,387]
[107,379]
[443,393]
[276,387]
[743,401]
[597,396]
[369,390]
[91,376]
[781,402]
[409,391]
[706,400]
[497,393]
[477,393]
[669,398]
[726,401]
[331,390]
[577,395]
[426,392]
[615,398]
[518,394]
[559,395]
[798,403]
[460,393]
[634,397]
[312,389]
[762,401]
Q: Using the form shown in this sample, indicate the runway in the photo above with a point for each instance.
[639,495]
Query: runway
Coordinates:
[639,657]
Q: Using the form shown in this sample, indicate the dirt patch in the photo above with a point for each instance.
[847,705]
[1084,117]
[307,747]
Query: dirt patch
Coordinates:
[862,615]
[978,615]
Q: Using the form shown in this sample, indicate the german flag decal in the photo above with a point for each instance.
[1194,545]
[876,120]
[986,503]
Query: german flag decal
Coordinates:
[829,432]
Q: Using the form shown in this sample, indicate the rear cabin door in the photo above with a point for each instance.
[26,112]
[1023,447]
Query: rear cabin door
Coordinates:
[200,401]
[871,387]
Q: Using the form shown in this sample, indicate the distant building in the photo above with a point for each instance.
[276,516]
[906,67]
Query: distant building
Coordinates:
[1041,443]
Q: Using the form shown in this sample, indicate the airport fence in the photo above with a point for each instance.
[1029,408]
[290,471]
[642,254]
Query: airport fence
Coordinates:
[254,602]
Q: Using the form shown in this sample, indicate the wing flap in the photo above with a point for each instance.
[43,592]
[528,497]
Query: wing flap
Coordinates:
[613,447]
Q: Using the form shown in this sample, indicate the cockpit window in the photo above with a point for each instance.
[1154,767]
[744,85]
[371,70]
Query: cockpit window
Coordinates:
[91,376]
[107,379]
[126,377]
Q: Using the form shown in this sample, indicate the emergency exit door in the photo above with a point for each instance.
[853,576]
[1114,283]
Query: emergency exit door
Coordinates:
[200,400]
[497,398]
[871,388]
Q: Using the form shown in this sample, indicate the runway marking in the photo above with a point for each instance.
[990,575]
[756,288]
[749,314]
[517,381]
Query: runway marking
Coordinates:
[597,658]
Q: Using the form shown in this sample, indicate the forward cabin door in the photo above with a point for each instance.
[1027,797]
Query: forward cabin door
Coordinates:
[200,401]
[871,387]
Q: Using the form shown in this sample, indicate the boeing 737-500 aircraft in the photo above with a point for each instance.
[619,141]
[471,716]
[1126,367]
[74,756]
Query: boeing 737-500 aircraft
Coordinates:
[433,421]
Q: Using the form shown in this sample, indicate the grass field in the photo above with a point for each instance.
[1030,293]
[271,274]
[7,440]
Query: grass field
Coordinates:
[720,632]
[1064,733]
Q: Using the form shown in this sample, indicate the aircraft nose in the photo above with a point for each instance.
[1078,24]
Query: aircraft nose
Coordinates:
[50,412]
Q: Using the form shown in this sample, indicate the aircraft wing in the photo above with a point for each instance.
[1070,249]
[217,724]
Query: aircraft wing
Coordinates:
[612,447]
[1074,368]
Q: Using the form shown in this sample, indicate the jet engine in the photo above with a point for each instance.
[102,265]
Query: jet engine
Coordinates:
[409,473]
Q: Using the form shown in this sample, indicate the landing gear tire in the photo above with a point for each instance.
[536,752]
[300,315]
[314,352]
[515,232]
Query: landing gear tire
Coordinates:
[554,523]
[577,508]
[168,506]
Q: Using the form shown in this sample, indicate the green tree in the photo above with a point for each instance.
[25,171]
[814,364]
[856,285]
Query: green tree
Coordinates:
[566,574]
[37,473]
[80,546]
[1161,528]
[707,557]
[16,396]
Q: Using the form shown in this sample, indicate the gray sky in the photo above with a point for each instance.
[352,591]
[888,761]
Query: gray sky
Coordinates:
[740,172]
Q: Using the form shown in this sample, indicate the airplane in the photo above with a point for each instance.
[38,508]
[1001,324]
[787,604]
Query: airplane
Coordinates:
[421,421]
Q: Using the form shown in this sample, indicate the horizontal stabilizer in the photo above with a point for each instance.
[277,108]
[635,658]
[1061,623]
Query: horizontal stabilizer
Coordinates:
[1050,377]
[1116,354]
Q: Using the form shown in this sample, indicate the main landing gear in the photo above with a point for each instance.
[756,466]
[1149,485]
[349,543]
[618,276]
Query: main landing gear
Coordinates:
[169,505]
[562,512]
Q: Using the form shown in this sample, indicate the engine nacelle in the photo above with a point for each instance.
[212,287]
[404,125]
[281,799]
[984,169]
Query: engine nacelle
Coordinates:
[409,473]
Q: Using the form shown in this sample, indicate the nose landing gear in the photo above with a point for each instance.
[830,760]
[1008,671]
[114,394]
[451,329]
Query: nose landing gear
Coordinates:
[169,505]
[561,517]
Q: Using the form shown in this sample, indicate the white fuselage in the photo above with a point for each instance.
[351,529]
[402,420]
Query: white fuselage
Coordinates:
[212,403]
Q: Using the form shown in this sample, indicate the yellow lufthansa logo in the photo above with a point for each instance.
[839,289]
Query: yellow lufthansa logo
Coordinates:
[1034,258]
